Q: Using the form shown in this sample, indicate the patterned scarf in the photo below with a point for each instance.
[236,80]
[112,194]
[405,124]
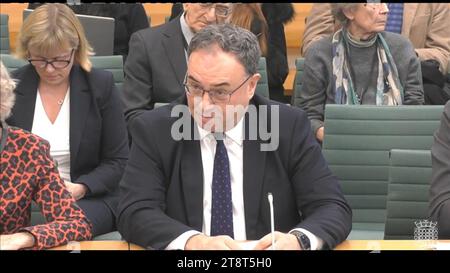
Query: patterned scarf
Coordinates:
[389,88]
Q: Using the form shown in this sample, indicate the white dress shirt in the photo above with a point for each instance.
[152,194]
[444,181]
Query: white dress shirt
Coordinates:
[233,142]
[57,134]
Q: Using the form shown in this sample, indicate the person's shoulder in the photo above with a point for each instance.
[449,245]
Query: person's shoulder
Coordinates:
[287,114]
[395,40]
[150,34]
[320,47]
[24,138]
[161,117]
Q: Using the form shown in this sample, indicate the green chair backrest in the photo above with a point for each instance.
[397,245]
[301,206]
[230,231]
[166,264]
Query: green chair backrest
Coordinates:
[262,88]
[113,64]
[12,63]
[4,34]
[166,19]
[149,20]
[407,200]
[298,82]
[356,145]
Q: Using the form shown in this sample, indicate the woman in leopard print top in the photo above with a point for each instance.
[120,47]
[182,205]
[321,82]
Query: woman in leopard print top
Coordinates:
[29,173]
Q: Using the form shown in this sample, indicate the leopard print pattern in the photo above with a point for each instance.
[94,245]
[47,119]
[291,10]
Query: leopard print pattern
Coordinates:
[29,173]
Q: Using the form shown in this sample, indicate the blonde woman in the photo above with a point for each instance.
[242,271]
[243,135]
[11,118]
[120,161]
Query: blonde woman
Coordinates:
[75,107]
[28,173]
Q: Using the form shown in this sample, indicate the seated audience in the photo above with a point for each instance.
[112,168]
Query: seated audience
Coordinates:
[75,107]
[440,182]
[205,185]
[276,16]
[426,25]
[129,18]
[156,65]
[359,64]
[28,174]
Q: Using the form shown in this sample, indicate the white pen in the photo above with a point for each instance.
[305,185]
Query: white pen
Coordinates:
[272,219]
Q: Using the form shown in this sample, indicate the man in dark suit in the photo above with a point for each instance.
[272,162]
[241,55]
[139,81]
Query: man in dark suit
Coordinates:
[201,181]
[156,62]
[440,183]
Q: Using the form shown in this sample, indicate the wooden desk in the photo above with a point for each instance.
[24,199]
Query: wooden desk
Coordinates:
[98,245]
[387,245]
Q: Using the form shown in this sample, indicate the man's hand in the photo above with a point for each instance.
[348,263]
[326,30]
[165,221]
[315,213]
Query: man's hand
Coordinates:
[319,134]
[16,241]
[283,241]
[203,242]
[77,190]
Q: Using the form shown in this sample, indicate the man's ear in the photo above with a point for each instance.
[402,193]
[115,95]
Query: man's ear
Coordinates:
[253,82]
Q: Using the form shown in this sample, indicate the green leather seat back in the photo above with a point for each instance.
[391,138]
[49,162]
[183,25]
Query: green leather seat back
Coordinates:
[298,81]
[262,88]
[4,34]
[407,200]
[356,145]
[114,64]
[11,63]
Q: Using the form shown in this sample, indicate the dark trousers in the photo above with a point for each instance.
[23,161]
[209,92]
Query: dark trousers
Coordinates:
[99,214]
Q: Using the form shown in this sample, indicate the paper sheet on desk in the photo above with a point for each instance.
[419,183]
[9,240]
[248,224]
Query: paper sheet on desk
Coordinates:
[248,245]
[442,246]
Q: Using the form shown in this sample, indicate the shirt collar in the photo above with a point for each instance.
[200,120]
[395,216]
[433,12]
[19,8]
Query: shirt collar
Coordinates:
[236,134]
[187,31]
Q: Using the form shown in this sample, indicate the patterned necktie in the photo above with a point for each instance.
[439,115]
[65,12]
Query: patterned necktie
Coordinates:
[222,207]
[395,18]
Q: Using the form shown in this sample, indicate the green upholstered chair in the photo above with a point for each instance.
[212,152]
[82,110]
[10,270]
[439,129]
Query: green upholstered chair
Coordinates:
[407,200]
[11,63]
[356,145]
[298,83]
[113,64]
[262,88]
[4,34]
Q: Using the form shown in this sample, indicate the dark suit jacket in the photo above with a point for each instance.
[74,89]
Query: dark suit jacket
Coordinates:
[161,192]
[440,183]
[155,68]
[98,136]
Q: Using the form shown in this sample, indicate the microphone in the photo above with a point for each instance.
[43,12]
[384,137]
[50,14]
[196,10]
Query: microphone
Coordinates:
[272,219]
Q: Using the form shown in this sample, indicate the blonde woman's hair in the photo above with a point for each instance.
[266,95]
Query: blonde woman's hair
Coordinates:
[51,27]
[7,95]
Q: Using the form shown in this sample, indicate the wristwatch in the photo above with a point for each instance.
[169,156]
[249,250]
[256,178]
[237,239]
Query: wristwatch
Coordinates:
[303,240]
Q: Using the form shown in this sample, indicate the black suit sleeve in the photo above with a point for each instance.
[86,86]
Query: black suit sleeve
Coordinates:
[440,182]
[138,83]
[320,200]
[142,219]
[114,151]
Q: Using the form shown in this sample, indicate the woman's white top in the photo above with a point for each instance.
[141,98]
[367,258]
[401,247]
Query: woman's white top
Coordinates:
[57,134]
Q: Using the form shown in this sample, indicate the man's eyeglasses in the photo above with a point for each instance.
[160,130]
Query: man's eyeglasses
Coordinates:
[220,10]
[57,64]
[216,96]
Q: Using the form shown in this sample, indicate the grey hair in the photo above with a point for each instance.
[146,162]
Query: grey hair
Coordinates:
[338,11]
[7,86]
[231,39]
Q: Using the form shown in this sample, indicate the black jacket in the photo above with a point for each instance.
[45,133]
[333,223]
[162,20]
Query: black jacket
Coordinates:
[98,136]
[162,188]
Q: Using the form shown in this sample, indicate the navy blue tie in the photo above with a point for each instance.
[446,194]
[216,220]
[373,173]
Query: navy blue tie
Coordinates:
[395,18]
[222,207]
